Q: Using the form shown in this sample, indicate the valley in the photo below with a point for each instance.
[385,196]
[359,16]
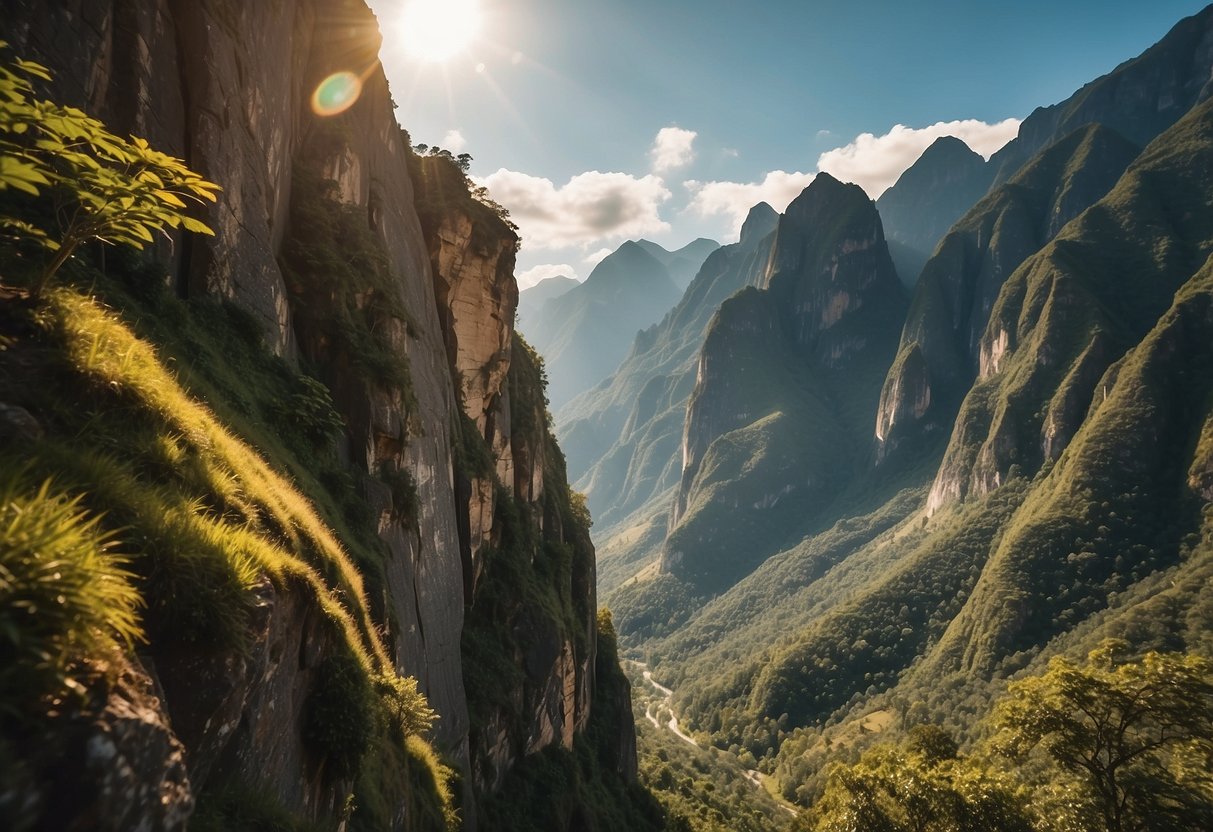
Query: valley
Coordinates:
[350,483]
[818,539]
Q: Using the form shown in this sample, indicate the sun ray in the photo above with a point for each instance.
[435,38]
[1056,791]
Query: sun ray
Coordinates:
[434,31]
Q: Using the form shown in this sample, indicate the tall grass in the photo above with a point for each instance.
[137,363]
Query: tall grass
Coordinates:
[65,595]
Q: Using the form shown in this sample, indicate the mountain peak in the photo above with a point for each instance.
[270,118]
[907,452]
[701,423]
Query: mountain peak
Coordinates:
[824,196]
[948,147]
[760,222]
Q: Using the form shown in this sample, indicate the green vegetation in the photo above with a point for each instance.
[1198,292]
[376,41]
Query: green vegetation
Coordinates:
[701,789]
[1103,746]
[65,596]
[920,785]
[338,266]
[199,513]
[210,464]
[1129,743]
[443,190]
[104,188]
[582,788]
[246,807]
[339,717]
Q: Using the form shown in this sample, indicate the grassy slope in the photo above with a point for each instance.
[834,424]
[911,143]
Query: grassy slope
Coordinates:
[208,460]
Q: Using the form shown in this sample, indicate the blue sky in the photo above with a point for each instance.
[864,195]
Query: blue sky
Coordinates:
[561,102]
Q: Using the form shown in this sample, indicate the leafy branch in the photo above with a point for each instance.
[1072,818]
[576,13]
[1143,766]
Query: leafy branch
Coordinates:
[104,188]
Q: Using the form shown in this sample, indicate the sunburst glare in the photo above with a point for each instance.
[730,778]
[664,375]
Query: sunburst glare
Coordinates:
[434,31]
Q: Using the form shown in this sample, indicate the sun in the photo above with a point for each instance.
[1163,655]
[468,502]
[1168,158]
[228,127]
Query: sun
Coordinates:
[437,30]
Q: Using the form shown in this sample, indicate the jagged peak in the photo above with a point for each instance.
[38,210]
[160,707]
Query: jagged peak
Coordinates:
[825,193]
[760,222]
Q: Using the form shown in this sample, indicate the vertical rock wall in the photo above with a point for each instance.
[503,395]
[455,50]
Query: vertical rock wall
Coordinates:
[227,86]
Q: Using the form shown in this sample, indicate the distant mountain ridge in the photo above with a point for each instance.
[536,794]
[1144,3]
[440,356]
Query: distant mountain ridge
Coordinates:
[927,199]
[1040,470]
[682,264]
[585,332]
[531,300]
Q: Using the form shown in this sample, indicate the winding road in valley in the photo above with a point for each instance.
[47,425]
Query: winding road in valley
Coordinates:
[672,725]
[653,712]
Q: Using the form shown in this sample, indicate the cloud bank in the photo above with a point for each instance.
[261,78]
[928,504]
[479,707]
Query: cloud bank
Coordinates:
[454,141]
[589,208]
[735,199]
[874,162]
[672,149]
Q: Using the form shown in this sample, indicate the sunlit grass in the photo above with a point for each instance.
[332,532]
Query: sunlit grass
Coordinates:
[65,595]
[151,415]
[280,532]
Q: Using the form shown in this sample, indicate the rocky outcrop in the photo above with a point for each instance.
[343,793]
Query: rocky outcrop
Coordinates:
[830,274]
[115,764]
[472,264]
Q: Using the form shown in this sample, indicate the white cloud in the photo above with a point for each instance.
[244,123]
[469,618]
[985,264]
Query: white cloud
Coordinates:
[874,162]
[594,258]
[673,148]
[590,208]
[454,141]
[735,199]
[536,274]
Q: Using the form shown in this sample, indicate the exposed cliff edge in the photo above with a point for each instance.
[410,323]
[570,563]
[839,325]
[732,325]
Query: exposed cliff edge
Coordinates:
[352,454]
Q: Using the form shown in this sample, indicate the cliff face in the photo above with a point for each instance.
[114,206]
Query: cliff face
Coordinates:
[530,572]
[318,236]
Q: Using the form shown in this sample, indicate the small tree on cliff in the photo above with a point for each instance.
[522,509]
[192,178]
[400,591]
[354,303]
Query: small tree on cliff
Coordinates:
[102,187]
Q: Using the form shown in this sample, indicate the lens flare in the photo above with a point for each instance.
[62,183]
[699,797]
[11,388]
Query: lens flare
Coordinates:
[336,94]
